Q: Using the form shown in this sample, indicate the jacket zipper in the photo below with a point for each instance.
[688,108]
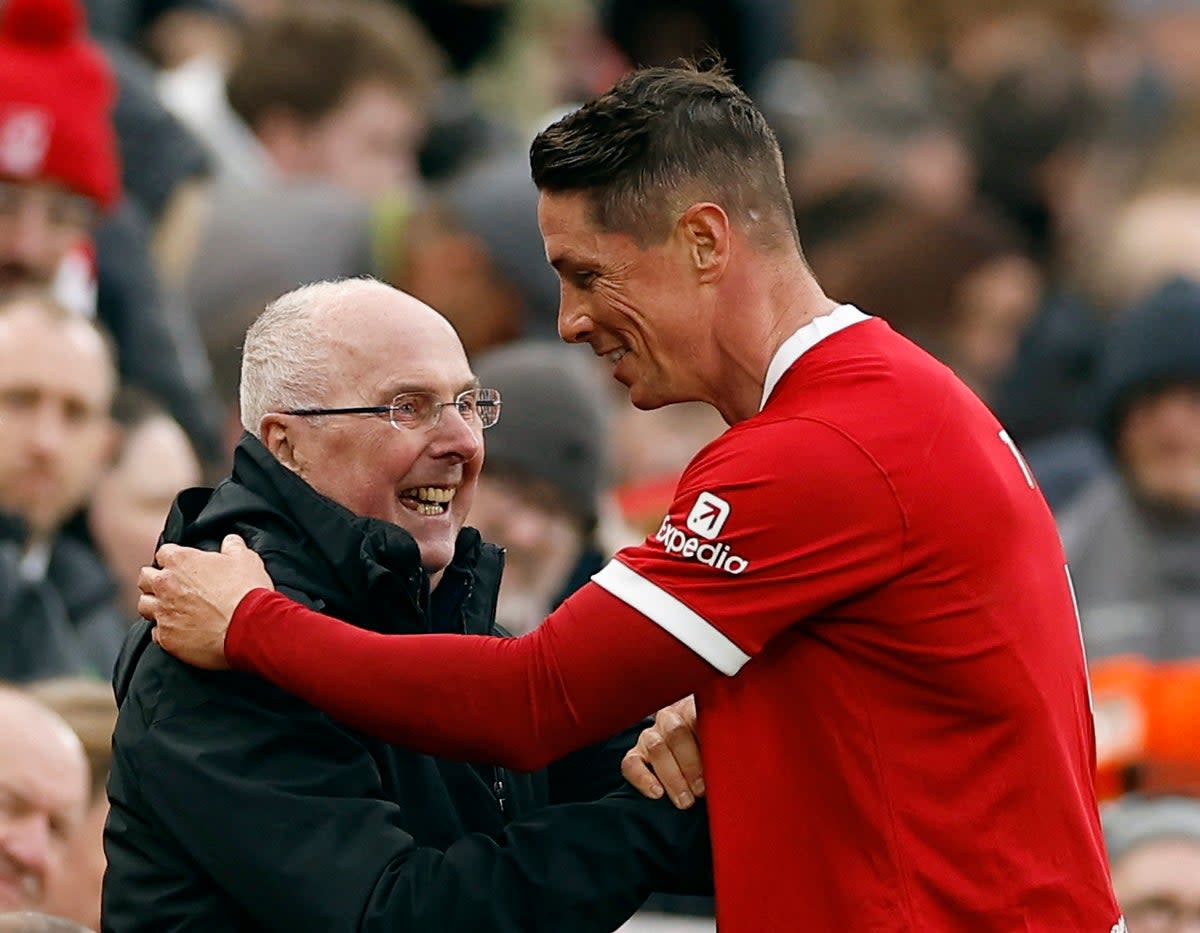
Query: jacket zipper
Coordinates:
[498,790]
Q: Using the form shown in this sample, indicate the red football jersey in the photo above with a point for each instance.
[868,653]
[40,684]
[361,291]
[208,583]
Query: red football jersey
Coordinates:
[908,742]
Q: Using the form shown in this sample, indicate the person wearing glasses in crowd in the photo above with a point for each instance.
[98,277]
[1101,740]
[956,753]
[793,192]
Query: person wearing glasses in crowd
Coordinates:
[859,580]
[237,807]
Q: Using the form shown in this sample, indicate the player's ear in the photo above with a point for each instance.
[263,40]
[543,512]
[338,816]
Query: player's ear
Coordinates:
[705,229]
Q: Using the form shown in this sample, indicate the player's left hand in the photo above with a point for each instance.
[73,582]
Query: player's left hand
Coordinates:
[667,756]
[193,594]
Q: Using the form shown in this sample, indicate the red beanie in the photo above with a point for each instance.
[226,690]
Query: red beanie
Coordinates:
[56,99]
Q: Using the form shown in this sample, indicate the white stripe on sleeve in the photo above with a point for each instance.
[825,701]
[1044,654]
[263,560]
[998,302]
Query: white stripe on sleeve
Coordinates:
[669,614]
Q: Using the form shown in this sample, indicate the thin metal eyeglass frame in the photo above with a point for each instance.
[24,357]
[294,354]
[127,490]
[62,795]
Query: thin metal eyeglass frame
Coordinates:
[389,410]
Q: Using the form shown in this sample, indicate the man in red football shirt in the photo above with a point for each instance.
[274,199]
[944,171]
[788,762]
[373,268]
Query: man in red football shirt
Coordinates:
[859,580]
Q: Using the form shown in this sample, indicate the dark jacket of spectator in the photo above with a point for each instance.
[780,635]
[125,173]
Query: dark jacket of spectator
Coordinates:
[59,619]
[159,348]
[238,807]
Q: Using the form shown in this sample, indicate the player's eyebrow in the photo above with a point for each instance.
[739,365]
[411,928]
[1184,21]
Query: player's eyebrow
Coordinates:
[565,261]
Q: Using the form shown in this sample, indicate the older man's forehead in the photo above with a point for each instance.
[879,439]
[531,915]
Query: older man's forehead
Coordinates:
[447,375]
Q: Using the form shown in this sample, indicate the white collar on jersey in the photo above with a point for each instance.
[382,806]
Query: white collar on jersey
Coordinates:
[804,340]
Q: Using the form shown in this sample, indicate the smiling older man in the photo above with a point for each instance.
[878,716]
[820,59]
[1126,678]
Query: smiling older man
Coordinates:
[238,807]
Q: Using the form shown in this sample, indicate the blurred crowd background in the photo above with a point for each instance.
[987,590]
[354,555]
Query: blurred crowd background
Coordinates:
[1014,184]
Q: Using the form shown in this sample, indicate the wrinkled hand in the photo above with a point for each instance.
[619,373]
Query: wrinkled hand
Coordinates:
[193,597]
[667,755]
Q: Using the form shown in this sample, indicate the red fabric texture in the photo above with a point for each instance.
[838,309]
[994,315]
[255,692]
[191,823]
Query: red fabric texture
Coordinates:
[593,668]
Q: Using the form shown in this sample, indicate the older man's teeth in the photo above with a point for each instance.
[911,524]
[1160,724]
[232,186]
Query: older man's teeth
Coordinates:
[615,356]
[429,500]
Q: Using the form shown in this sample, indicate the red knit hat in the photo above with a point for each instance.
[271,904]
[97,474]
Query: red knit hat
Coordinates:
[56,100]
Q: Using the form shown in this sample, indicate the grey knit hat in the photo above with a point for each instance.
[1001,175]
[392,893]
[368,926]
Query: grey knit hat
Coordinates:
[554,421]
[1133,821]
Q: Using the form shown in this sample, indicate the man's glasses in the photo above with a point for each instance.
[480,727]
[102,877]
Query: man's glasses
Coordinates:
[422,409]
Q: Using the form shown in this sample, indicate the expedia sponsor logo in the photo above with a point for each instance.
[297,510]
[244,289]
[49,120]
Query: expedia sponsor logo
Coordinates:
[708,515]
[713,553]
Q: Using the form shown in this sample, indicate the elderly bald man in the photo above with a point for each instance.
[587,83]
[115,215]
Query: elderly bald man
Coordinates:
[43,796]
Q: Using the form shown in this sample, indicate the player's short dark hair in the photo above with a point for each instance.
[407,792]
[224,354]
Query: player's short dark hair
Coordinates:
[664,138]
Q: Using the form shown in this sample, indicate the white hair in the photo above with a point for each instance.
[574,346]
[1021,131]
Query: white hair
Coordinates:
[285,356]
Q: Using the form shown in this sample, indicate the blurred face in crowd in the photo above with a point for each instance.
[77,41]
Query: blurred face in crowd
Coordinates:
[633,306]
[39,223]
[421,478]
[1159,445]
[74,892]
[994,305]
[449,268]
[56,389]
[1158,886]
[543,540]
[43,790]
[368,145]
[133,497]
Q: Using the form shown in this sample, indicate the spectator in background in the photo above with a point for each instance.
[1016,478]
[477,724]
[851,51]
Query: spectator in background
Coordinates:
[963,286]
[27,922]
[1154,236]
[1032,117]
[1167,33]
[57,381]
[1133,542]
[153,462]
[257,242]
[88,707]
[43,796]
[474,252]
[337,91]
[540,493]
[1154,853]
[58,160]
[59,178]
[129,21]
[464,127]
[747,34]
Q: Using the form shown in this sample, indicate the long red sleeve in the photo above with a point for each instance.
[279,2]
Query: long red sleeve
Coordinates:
[593,667]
